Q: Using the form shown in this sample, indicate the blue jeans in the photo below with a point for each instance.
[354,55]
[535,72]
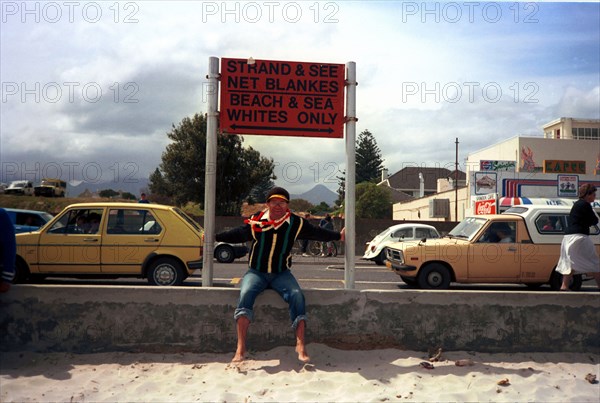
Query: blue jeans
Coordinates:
[285,284]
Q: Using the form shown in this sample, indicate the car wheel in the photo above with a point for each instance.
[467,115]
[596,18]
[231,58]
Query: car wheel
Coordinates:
[380,259]
[556,281]
[165,271]
[224,254]
[434,276]
[21,272]
[409,282]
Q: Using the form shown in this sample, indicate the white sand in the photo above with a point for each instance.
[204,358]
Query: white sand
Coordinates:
[388,375]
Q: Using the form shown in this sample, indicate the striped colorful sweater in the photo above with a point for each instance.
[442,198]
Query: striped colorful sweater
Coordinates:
[270,250]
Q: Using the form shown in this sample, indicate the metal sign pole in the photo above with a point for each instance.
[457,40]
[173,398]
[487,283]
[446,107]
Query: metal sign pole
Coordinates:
[349,205]
[210,175]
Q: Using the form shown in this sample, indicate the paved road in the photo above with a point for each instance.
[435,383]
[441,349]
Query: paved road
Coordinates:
[315,272]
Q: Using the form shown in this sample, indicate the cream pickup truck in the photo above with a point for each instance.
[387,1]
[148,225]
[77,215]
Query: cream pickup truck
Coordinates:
[520,246]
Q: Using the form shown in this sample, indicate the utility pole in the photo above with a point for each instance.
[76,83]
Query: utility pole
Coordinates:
[456,183]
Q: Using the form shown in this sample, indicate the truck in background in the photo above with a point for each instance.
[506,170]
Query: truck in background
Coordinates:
[50,187]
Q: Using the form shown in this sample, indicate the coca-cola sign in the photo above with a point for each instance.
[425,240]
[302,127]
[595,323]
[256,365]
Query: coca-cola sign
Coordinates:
[485,207]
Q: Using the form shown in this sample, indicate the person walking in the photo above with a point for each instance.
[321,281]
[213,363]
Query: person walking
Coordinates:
[273,232]
[143,199]
[577,251]
[8,251]
[304,242]
[327,224]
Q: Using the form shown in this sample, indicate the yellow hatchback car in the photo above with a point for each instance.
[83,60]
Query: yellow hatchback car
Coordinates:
[110,240]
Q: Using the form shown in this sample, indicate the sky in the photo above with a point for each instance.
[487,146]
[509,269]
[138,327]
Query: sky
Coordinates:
[90,89]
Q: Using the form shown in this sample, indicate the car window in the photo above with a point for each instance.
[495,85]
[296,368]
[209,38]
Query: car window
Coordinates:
[403,233]
[132,222]
[424,233]
[78,221]
[500,232]
[188,219]
[551,223]
[29,219]
[467,228]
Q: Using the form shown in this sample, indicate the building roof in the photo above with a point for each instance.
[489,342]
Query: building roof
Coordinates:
[396,195]
[408,178]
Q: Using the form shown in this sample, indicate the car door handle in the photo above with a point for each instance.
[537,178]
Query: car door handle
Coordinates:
[90,240]
[512,249]
[150,240]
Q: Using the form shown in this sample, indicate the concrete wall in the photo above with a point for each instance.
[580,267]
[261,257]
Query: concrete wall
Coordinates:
[83,319]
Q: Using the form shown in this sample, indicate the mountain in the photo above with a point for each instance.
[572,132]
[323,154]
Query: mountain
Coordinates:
[132,186]
[318,194]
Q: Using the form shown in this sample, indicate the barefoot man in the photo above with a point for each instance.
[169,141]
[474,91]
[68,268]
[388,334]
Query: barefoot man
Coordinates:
[273,232]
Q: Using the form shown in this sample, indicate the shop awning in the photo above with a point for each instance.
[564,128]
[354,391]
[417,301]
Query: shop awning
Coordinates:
[513,201]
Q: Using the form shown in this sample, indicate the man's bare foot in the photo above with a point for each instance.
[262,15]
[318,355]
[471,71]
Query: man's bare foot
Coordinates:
[238,357]
[302,354]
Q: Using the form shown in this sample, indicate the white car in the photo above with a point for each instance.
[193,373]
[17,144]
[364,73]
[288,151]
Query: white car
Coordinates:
[375,250]
[20,187]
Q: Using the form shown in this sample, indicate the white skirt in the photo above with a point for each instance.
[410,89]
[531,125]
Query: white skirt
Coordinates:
[578,255]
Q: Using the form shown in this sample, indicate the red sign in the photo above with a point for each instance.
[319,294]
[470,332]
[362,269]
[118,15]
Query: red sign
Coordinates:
[485,207]
[281,98]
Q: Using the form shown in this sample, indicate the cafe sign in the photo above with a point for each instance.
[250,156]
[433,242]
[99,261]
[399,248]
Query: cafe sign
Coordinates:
[564,167]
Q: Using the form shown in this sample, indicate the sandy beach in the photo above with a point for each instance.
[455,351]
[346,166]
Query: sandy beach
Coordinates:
[387,375]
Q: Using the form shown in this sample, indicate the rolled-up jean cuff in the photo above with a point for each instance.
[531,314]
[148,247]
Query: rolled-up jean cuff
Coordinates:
[297,320]
[243,312]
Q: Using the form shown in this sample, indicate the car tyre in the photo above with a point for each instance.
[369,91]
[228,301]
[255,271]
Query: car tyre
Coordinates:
[22,273]
[434,276]
[409,282]
[165,271]
[224,254]
[380,259]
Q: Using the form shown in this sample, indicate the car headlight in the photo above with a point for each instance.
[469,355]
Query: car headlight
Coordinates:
[394,255]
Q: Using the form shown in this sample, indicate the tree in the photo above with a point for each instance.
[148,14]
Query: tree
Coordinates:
[368,158]
[322,207]
[369,164]
[258,194]
[373,201]
[108,193]
[128,196]
[182,171]
[300,205]
[341,189]
[157,183]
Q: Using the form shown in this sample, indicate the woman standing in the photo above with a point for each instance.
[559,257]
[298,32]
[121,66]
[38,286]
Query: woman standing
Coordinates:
[577,251]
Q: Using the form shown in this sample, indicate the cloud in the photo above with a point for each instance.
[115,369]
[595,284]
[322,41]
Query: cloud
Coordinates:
[578,103]
[425,78]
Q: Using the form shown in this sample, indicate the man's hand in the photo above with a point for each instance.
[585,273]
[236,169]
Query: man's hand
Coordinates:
[343,234]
